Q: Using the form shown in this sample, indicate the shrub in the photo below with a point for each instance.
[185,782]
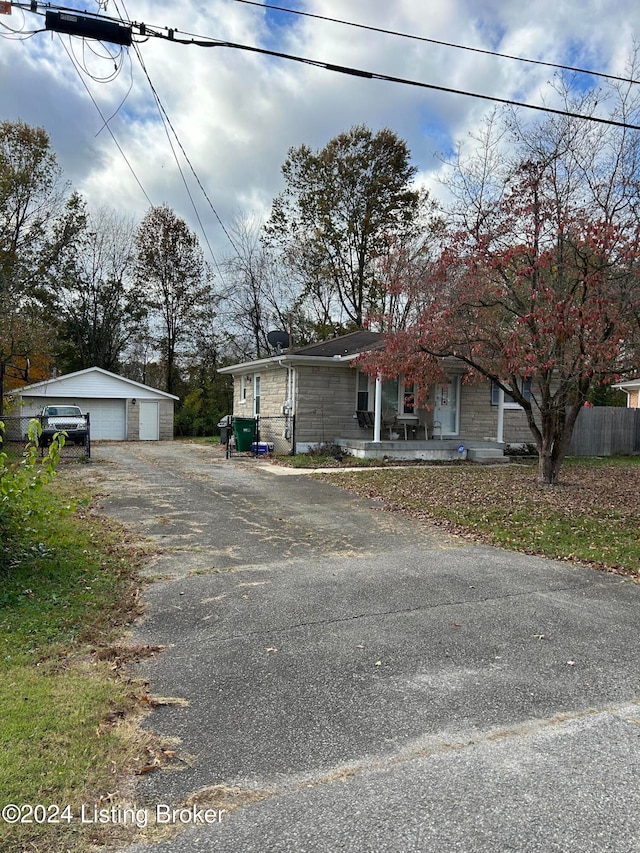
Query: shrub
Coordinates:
[327,449]
[19,486]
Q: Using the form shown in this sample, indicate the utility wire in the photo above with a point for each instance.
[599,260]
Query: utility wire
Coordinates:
[166,121]
[19,34]
[199,41]
[371,75]
[124,156]
[441,43]
[163,112]
[122,102]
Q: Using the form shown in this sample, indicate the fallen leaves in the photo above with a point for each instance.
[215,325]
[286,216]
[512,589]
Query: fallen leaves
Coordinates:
[591,517]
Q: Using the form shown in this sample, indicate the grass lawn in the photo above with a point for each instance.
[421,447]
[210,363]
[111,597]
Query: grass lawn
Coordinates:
[591,517]
[65,704]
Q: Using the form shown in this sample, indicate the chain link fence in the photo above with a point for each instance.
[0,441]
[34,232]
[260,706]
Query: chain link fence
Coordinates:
[259,436]
[16,435]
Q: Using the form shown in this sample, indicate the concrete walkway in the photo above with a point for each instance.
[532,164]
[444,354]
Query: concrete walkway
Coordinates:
[349,680]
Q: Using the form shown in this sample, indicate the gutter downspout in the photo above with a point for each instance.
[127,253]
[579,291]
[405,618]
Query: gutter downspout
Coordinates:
[291,399]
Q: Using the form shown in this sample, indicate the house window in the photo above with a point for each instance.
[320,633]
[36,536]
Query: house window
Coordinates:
[408,399]
[243,389]
[363,393]
[256,395]
[390,395]
[396,396]
[509,402]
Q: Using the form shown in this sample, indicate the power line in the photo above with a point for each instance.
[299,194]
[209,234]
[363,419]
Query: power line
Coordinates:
[167,121]
[19,34]
[173,35]
[106,124]
[166,124]
[441,43]
[163,116]
[372,75]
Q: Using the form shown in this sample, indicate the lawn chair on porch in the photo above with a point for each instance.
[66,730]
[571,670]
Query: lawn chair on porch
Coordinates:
[365,419]
[390,422]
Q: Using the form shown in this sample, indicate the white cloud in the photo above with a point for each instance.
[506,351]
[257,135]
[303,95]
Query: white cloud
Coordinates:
[237,113]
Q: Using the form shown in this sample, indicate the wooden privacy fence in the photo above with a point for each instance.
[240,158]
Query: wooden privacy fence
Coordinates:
[606,431]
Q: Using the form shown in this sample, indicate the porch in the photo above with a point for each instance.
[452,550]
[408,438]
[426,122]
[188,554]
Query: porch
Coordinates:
[447,449]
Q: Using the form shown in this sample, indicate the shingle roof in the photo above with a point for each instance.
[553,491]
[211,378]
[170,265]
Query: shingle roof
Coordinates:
[351,344]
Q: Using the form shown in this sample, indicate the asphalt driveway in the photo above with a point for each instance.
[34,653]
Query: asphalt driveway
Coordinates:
[343,679]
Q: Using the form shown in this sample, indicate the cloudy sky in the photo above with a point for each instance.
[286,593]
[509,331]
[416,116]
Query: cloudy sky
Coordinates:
[236,113]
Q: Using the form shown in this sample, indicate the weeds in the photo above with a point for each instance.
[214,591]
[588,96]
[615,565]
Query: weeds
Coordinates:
[20,484]
[68,587]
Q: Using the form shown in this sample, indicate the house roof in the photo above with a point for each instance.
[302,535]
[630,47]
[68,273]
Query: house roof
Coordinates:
[352,344]
[82,383]
[334,350]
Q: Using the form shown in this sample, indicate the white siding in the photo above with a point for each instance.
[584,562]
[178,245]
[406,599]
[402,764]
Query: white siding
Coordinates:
[92,384]
[112,402]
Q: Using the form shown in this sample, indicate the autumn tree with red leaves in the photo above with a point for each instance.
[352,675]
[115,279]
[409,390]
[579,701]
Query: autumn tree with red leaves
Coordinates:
[538,274]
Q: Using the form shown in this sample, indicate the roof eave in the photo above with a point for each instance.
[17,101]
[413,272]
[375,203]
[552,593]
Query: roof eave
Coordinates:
[287,360]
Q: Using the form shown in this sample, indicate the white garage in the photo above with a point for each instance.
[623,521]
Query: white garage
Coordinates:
[119,409]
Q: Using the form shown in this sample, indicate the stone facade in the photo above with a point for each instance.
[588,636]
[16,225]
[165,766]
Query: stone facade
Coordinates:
[133,421]
[165,414]
[166,420]
[326,401]
[326,404]
[479,419]
[273,393]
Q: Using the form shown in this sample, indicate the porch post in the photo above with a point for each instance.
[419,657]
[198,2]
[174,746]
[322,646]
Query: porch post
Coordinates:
[377,412]
[500,436]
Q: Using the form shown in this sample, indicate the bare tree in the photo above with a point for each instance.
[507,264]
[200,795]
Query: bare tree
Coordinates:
[100,310]
[175,281]
[259,294]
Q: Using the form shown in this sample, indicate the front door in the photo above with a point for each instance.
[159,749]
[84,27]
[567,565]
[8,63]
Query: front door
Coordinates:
[446,409]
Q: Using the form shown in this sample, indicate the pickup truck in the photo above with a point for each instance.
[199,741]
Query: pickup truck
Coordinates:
[67,419]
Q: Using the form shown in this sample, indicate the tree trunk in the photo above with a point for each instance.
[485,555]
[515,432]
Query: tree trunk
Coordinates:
[557,429]
[549,467]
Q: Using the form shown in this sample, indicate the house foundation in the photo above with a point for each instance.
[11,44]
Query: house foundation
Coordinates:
[446,449]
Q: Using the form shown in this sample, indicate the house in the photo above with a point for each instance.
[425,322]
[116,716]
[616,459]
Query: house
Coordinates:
[317,394]
[632,390]
[119,409]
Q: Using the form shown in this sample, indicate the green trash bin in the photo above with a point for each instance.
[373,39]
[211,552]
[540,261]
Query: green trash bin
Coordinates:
[244,431]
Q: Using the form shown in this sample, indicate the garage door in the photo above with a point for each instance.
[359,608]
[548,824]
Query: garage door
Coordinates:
[108,420]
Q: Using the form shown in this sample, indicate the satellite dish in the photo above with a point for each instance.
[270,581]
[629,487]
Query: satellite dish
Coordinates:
[278,339]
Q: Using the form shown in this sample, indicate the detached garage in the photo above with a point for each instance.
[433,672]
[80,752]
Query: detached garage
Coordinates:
[119,409]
